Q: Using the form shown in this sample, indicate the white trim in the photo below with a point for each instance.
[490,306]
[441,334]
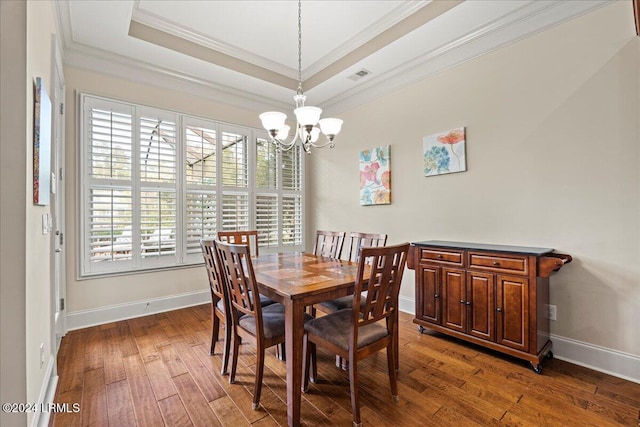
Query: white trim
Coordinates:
[608,361]
[601,359]
[47,394]
[113,313]
[407,305]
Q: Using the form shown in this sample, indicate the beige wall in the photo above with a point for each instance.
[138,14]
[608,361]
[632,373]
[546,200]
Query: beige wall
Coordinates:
[27,28]
[99,293]
[553,161]
[40,27]
[13,204]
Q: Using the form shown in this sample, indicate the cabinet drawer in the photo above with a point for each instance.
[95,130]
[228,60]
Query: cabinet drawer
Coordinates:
[499,262]
[449,257]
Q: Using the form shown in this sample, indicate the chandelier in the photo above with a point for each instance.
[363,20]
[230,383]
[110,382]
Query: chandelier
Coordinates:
[307,117]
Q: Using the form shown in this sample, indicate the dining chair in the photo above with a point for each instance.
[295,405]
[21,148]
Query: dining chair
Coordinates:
[364,329]
[329,243]
[356,242]
[247,237]
[264,325]
[220,305]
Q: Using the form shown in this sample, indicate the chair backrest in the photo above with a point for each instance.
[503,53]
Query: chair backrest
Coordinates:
[211,262]
[237,271]
[246,237]
[329,243]
[386,266]
[364,240]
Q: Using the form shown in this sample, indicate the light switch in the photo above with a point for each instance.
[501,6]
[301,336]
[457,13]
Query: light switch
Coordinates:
[45,223]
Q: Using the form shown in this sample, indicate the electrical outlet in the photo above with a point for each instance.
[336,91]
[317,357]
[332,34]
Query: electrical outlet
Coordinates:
[41,354]
[552,312]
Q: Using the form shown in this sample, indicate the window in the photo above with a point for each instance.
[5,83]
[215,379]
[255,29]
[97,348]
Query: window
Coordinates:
[155,182]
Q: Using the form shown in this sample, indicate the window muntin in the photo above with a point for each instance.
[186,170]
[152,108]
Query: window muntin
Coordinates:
[155,182]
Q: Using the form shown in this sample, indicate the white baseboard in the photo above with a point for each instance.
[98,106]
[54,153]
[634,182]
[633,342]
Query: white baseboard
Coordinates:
[407,305]
[601,359]
[114,313]
[47,393]
[612,362]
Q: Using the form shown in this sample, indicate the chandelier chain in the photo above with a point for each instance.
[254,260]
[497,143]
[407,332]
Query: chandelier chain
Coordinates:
[300,44]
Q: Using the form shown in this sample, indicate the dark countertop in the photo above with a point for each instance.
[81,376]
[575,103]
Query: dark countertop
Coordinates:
[485,247]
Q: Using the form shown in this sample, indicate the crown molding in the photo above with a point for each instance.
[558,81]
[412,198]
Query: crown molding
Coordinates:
[162,25]
[141,72]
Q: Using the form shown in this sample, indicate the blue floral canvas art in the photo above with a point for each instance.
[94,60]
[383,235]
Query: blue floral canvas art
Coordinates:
[444,152]
[375,176]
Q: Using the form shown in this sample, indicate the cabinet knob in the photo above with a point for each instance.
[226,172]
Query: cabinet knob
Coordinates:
[436,296]
[468,302]
[439,256]
[461,301]
[496,263]
[499,310]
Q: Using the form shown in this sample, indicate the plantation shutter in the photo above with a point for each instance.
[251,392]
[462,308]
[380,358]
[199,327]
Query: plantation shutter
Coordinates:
[158,186]
[109,209]
[235,180]
[201,180]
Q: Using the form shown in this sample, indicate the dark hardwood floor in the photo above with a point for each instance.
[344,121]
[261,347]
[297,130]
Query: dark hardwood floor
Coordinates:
[156,370]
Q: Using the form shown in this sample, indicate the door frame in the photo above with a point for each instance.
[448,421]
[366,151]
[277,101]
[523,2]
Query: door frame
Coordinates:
[58,205]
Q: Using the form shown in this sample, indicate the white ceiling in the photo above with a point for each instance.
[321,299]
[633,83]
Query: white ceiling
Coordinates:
[245,52]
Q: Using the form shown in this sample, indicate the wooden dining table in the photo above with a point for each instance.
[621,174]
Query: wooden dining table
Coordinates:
[297,280]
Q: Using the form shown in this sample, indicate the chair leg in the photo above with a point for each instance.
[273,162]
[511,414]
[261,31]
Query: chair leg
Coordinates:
[227,349]
[234,358]
[215,327]
[314,363]
[259,372]
[393,379]
[306,351]
[353,383]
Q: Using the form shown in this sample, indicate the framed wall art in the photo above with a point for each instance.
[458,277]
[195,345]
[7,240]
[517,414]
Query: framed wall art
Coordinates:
[375,176]
[41,143]
[444,152]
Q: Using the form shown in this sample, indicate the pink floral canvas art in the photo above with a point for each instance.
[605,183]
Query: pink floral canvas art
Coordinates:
[375,176]
[444,152]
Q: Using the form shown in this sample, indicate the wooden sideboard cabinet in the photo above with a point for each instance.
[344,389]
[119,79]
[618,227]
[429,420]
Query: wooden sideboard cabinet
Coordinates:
[492,295]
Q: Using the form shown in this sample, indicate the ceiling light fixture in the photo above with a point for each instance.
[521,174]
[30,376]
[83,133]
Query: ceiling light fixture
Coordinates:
[307,117]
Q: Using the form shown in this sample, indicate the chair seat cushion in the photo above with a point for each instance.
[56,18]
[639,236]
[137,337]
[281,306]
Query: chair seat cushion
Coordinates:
[272,321]
[265,301]
[341,303]
[334,328]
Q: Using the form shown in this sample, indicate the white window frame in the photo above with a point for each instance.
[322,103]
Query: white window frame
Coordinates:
[88,269]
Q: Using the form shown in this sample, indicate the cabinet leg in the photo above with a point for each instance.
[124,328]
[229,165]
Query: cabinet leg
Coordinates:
[550,355]
[536,368]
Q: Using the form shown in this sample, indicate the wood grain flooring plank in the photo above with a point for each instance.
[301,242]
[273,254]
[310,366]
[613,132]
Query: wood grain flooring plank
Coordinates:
[172,361]
[113,366]
[240,395]
[228,413]
[72,365]
[93,358]
[194,402]
[119,404]
[160,379]
[205,379]
[145,403]
[68,419]
[174,413]
[94,399]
